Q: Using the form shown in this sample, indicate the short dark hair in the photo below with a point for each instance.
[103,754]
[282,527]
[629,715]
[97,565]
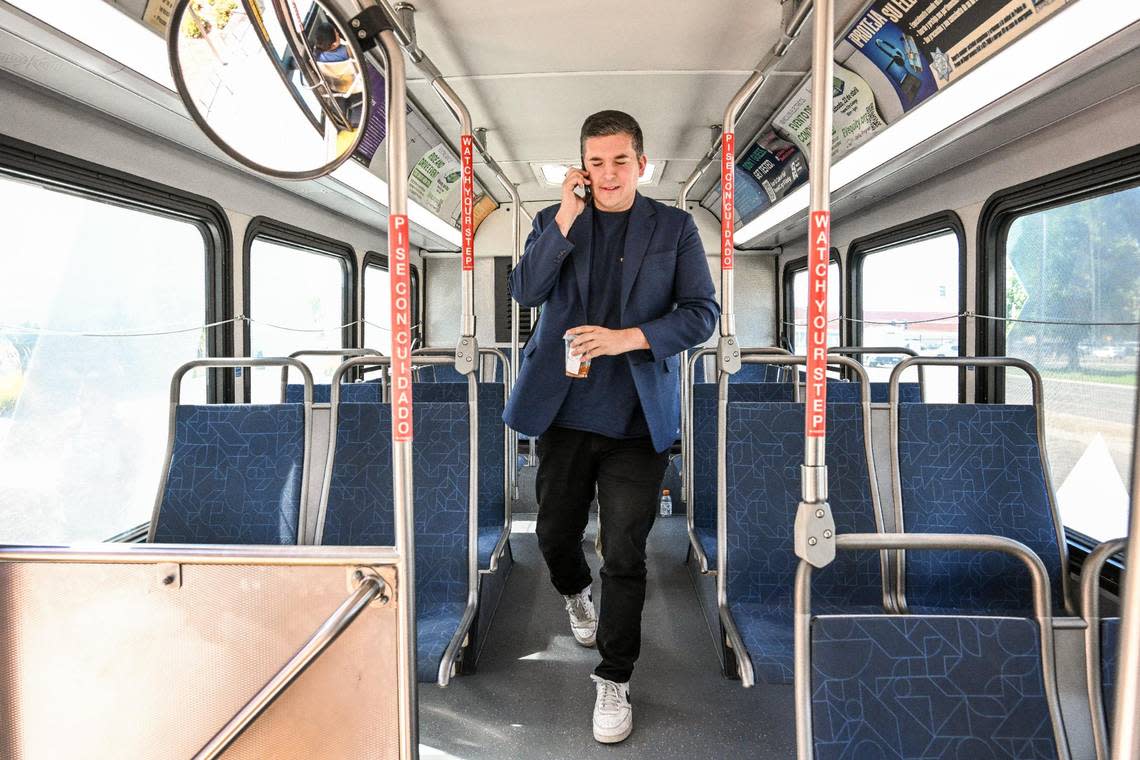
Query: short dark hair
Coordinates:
[606,123]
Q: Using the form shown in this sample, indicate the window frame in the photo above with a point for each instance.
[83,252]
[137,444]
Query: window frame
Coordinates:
[58,171]
[296,237]
[787,290]
[373,258]
[907,232]
[1091,179]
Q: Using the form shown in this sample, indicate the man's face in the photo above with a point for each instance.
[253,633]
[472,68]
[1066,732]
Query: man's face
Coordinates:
[613,167]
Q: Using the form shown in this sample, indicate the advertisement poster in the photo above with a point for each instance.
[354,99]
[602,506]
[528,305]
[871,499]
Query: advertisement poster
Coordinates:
[766,172]
[777,165]
[157,14]
[855,121]
[433,178]
[376,129]
[921,47]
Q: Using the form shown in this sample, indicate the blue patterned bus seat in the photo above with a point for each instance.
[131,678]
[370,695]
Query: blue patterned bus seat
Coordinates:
[492,431]
[848,392]
[1109,661]
[928,688]
[765,452]
[234,475]
[438,373]
[322,393]
[749,373]
[975,468]
[704,450]
[360,513]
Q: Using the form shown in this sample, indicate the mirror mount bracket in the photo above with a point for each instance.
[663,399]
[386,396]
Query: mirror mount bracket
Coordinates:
[368,24]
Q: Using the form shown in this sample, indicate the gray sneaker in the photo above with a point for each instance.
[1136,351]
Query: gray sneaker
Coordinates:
[583,621]
[613,714]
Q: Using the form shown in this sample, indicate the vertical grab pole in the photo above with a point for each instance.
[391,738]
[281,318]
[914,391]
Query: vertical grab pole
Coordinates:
[516,254]
[1125,728]
[401,394]
[467,350]
[815,528]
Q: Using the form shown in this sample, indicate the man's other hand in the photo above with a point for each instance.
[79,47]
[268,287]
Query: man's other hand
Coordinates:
[572,206]
[590,341]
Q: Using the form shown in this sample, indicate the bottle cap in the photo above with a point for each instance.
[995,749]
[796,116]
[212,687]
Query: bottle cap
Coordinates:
[665,492]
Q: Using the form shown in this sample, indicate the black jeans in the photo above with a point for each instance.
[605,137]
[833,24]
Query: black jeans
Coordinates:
[628,476]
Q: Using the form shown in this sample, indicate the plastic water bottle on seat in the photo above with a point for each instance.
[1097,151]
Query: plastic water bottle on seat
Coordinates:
[666,504]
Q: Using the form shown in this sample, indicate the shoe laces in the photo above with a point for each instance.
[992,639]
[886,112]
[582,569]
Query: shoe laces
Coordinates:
[579,606]
[611,696]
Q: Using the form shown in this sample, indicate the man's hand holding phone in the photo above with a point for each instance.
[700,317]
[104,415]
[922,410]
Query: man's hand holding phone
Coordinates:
[572,203]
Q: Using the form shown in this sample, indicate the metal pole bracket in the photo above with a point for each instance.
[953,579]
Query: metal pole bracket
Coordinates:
[728,354]
[466,354]
[368,24]
[815,533]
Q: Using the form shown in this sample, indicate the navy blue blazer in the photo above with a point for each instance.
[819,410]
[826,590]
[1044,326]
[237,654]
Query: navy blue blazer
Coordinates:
[666,290]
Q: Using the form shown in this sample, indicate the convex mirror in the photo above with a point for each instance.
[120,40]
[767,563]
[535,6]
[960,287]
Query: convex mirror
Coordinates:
[279,85]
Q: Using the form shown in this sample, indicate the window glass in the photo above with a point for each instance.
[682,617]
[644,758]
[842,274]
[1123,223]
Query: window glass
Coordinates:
[800,303]
[377,310]
[83,408]
[296,304]
[1067,269]
[905,289]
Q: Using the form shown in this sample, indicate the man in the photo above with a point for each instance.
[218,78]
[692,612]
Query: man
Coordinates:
[626,278]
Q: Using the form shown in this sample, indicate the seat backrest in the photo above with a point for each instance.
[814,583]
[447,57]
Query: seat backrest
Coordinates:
[704,439]
[765,451]
[749,372]
[890,686]
[848,392]
[359,505]
[358,392]
[439,373]
[973,469]
[235,475]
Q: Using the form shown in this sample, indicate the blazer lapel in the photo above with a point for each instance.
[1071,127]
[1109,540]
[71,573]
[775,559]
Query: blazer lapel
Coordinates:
[642,221]
[582,236]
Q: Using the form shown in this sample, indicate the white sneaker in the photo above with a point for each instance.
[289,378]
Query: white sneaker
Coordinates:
[613,714]
[583,621]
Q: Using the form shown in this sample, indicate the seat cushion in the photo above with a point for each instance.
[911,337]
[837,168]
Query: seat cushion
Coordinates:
[436,624]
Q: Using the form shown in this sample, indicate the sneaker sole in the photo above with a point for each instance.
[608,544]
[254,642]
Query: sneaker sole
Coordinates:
[589,643]
[613,738]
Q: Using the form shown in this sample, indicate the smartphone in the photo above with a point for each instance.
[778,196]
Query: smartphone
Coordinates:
[583,191]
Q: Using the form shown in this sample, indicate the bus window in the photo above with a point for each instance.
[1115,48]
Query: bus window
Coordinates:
[797,307]
[1066,269]
[83,407]
[377,309]
[297,303]
[902,290]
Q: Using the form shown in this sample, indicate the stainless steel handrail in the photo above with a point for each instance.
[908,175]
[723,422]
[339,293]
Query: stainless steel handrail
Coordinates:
[1090,612]
[915,542]
[341,352]
[371,587]
[861,351]
[1039,409]
[789,35]
[1125,726]
[388,54]
[234,362]
[516,254]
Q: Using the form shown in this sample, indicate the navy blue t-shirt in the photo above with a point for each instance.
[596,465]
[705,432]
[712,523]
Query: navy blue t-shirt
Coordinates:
[606,401]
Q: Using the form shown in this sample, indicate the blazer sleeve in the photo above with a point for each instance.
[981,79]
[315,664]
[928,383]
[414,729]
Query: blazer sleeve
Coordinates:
[695,317]
[537,271]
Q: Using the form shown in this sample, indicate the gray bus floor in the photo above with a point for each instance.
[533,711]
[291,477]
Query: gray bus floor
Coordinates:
[532,696]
